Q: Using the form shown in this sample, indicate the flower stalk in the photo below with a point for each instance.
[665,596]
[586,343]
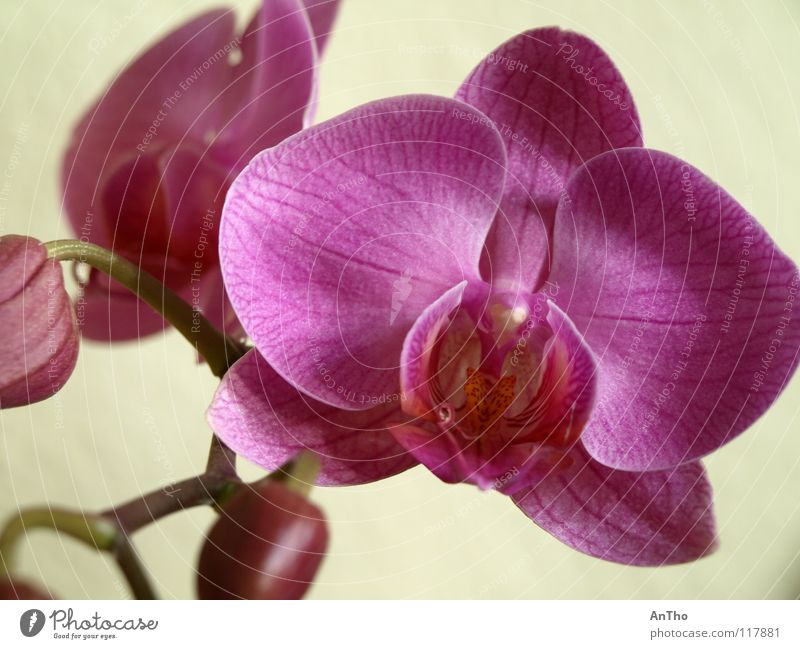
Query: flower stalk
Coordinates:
[218,350]
[92,530]
[205,489]
[110,531]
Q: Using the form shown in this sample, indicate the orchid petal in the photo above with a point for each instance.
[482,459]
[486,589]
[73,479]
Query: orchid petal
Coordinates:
[266,420]
[193,192]
[416,371]
[321,13]
[317,232]
[110,312]
[137,225]
[162,96]
[558,100]
[684,298]
[645,519]
[569,381]
[162,213]
[438,451]
[507,469]
[272,86]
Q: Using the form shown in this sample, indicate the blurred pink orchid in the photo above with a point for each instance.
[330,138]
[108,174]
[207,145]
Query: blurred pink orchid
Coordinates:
[508,289]
[149,164]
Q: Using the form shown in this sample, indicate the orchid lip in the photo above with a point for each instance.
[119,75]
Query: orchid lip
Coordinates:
[500,396]
[496,381]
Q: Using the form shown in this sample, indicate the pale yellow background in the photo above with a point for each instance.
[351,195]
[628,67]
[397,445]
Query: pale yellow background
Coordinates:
[715,82]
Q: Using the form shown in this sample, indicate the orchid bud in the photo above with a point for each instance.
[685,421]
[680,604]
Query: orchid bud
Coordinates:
[39,342]
[267,544]
[18,589]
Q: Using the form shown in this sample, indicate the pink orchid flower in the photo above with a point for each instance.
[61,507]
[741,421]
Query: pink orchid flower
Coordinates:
[148,165]
[39,343]
[507,288]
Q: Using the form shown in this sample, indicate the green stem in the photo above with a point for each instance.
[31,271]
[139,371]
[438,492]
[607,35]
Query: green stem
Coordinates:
[131,566]
[299,474]
[90,530]
[212,487]
[219,351]
[95,532]
[110,530]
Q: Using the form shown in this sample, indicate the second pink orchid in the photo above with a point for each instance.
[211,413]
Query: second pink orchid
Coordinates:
[150,162]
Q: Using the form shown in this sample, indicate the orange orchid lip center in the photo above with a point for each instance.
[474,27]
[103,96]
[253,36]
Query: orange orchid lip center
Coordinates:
[497,379]
[486,401]
[500,387]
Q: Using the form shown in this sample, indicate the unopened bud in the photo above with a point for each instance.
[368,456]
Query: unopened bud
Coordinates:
[39,341]
[267,544]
